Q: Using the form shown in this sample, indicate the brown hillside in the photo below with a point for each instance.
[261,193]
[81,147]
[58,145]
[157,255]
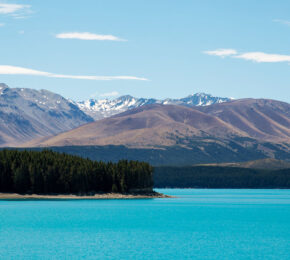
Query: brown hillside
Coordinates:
[166,125]
[151,125]
[259,118]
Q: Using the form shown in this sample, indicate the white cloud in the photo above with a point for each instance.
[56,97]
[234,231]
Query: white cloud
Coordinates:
[2,24]
[286,22]
[11,8]
[110,94]
[252,56]
[263,57]
[15,10]
[88,36]
[13,70]
[222,52]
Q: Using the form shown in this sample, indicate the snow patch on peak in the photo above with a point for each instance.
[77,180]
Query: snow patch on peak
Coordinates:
[102,108]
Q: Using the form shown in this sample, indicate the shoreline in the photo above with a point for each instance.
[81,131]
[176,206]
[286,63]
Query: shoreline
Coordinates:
[97,196]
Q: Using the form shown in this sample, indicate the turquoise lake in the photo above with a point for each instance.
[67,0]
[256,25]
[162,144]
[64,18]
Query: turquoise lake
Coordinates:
[197,224]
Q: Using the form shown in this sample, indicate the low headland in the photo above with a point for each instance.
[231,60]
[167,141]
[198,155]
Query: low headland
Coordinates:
[52,175]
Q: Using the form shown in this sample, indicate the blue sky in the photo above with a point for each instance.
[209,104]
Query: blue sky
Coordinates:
[147,48]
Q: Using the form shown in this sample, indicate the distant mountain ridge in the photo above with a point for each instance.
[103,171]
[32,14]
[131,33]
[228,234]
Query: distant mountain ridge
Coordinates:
[159,125]
[26,114]
[177,135]
[197,129]
[99,109]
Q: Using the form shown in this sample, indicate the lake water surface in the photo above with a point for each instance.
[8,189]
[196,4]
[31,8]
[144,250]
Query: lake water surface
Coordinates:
[198,224]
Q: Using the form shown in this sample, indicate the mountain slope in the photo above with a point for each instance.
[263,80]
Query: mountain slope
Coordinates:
[159,125]
[99,109]
[259,118]
[26,114]
[147,126]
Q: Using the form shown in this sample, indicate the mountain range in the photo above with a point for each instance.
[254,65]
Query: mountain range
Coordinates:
[99,109]
[168,125]
[212,129]
[28,114]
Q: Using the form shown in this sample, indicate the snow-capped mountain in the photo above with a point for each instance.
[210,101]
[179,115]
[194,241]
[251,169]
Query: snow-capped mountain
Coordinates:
[99,109]
[26,114]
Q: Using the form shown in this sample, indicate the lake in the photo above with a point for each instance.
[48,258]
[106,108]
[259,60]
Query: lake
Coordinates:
[197,224]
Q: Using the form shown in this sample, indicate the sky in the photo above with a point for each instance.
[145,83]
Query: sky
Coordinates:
[85,49]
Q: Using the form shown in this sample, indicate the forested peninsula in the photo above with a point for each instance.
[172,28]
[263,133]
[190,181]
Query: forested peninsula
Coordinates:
[51,173]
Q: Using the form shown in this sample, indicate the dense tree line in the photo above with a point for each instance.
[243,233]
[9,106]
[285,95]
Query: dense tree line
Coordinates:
[49,172]
[220,177]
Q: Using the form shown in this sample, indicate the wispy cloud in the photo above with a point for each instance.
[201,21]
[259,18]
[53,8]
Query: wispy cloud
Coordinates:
[2,24]
[110,94]
[285,22]
[13,70]
[221,52]
[15,10]
[11,8]
[263,57]
[88,36]
[251,56]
